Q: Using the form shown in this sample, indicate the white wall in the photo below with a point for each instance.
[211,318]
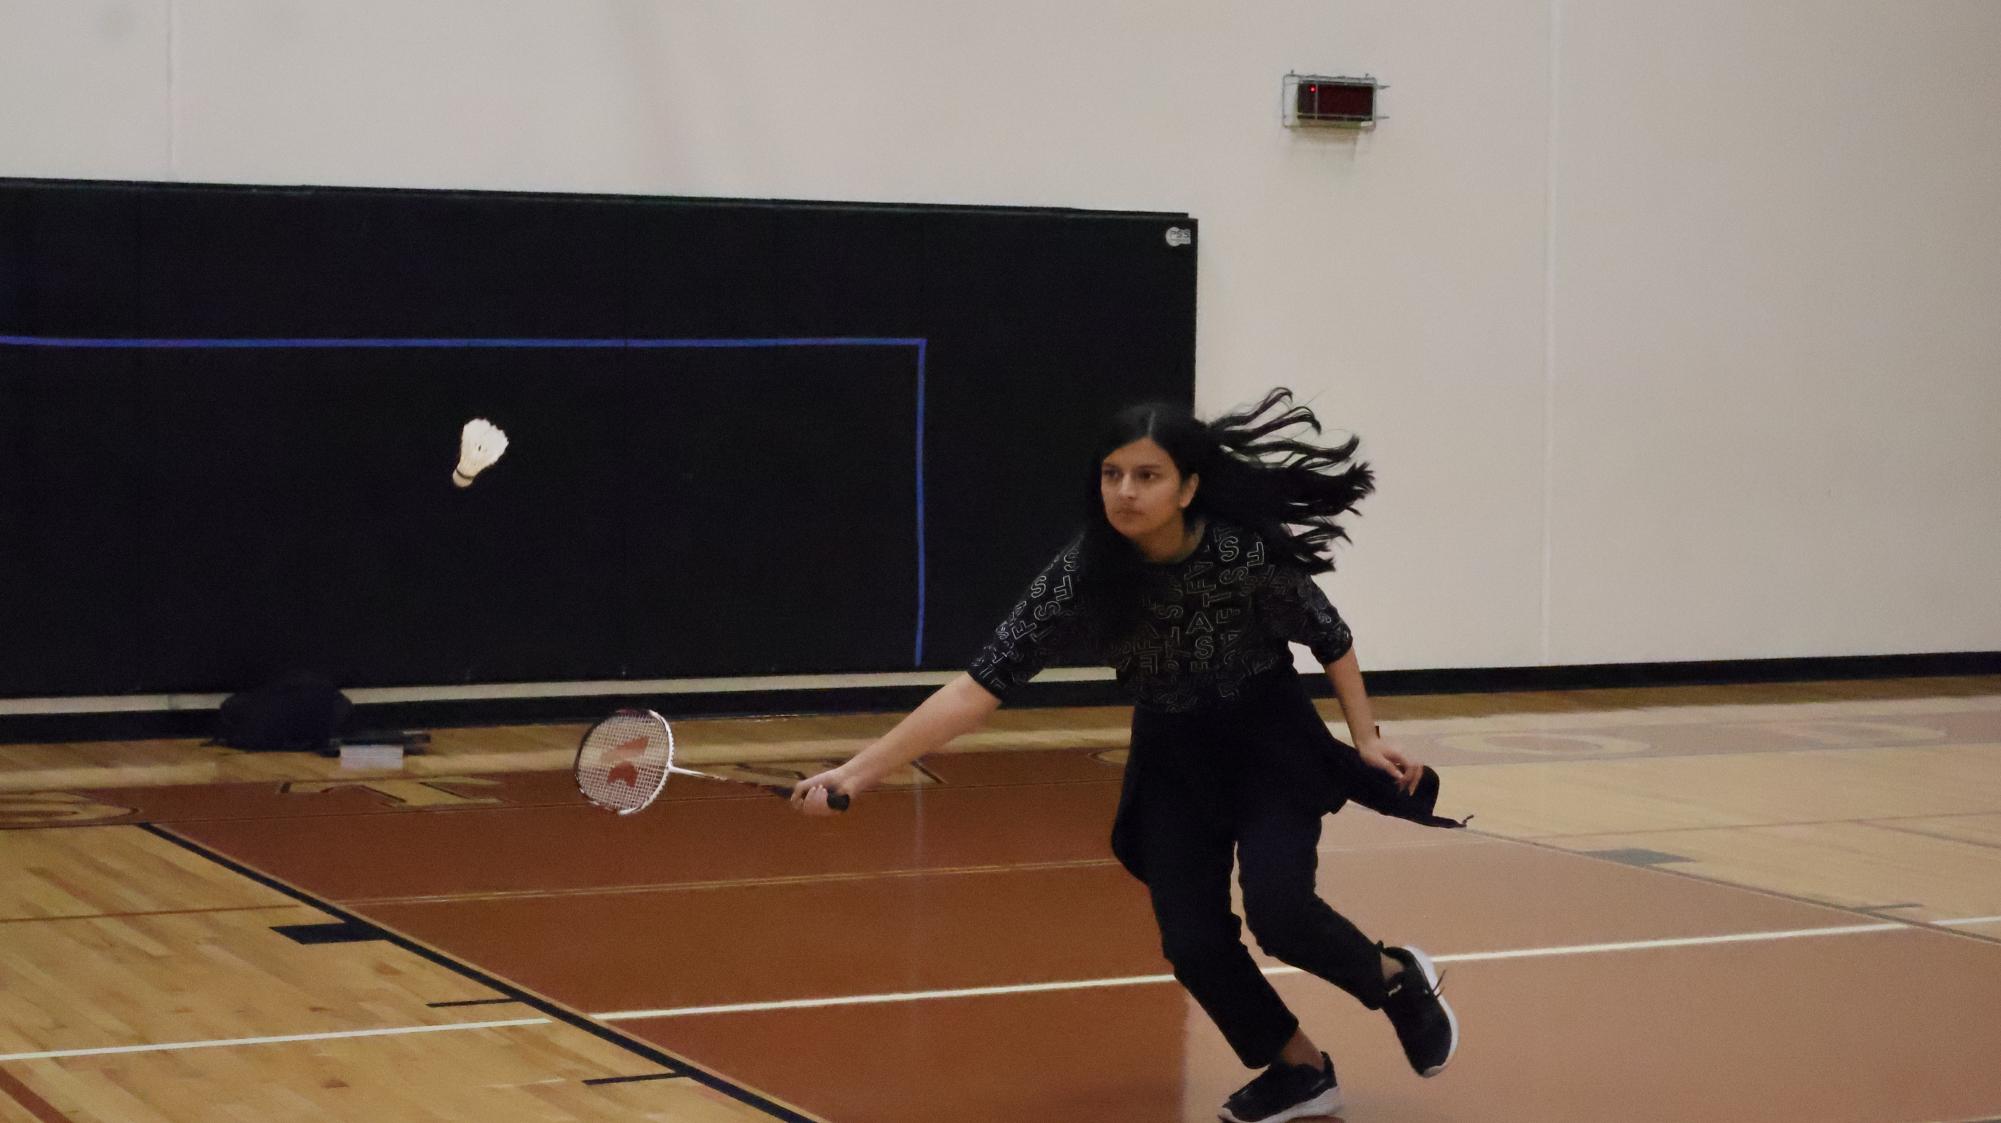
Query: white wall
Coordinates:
[1671,329]
[1778,347]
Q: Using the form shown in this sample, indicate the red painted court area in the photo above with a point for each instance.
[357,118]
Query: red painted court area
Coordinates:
[967,949]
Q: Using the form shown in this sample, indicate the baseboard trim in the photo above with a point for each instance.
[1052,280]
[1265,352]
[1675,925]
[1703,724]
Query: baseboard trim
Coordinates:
[404,708]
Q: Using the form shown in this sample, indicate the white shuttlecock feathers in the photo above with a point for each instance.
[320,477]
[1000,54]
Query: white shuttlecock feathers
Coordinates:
[480,444]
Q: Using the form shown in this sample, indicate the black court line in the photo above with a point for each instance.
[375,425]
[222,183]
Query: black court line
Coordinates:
[1634,856]
[677,1066]
[338,932]
[472,1002]
[634,1079]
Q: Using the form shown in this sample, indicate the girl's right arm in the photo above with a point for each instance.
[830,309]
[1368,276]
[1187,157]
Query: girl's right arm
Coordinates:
[958,707]
[1012,656]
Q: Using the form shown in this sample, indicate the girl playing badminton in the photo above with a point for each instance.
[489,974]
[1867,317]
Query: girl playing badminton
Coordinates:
[1192,575]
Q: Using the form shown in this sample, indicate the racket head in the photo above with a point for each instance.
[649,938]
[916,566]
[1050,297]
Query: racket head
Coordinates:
[623,761]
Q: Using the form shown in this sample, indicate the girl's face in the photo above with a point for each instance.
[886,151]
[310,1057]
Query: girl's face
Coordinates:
[1143,491]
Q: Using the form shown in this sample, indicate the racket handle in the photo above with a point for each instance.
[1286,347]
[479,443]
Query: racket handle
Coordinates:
[836,800]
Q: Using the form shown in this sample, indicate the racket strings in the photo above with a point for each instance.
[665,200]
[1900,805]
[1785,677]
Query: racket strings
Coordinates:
[624,762]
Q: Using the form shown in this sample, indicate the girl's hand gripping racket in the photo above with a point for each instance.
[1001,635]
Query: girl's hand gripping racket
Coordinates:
[624,761]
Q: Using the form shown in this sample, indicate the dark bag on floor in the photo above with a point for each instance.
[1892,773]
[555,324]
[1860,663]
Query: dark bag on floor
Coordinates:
[299,712]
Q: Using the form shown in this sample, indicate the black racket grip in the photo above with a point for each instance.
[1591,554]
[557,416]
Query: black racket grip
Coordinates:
[836,800]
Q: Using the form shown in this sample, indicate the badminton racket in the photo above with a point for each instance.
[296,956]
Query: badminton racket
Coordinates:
[624,760]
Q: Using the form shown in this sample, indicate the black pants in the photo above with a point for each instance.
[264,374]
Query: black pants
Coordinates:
[1247,780]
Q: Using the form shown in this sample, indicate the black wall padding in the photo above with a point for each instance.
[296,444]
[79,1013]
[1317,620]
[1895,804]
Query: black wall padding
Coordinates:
[197,496]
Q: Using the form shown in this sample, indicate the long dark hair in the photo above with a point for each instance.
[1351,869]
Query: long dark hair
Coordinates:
[1286,489]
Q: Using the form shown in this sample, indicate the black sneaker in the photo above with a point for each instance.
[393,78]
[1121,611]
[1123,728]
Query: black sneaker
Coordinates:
[1284,1092]
[1425,1024]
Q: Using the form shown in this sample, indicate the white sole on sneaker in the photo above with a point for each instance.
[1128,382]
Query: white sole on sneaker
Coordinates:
[1326,1103]
[1451,1019]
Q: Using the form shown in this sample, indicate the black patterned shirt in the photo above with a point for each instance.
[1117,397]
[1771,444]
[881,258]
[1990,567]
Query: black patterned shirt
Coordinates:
[1217,617]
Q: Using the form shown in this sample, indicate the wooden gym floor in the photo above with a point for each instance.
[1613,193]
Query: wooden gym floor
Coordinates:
[1757,903]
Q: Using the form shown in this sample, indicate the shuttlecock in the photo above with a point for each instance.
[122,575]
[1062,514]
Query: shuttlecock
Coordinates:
[480,444]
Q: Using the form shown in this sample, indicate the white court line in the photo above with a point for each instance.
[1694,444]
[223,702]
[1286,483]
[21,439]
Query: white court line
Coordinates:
[1682,942]
[1147,980]
[876,999]
[174,1045]
[976,992]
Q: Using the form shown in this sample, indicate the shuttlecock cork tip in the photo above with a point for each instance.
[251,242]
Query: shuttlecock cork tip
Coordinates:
[480,444]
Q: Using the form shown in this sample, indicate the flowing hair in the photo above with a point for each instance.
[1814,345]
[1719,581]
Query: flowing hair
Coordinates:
[1285,488]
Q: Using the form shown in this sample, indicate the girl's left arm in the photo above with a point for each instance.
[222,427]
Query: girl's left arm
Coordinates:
[1346,675]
